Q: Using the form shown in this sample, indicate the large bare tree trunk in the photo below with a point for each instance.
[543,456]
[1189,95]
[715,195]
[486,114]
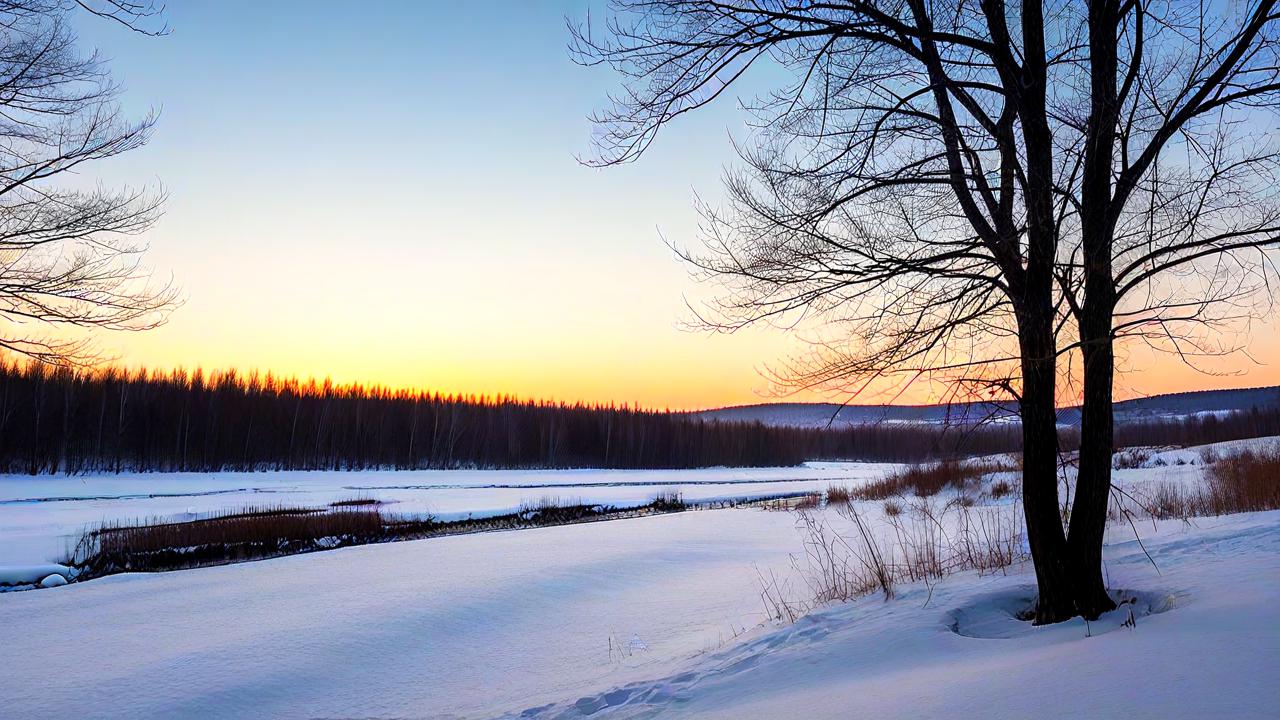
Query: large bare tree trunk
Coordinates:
[1093,483]
[1097,432]
[1039,474]
[1038,348]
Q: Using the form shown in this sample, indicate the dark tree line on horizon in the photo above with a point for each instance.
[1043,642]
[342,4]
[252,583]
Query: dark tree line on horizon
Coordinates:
[65,420]
[112,420]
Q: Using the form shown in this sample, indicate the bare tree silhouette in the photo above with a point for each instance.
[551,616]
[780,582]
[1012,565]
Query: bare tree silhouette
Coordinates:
[903,182]
[1168,203]
[951,183]
[68,253]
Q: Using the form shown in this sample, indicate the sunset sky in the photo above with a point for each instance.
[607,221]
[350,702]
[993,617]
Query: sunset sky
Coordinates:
[388,192]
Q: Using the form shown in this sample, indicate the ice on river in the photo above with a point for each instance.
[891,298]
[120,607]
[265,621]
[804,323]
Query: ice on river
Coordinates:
[39,516]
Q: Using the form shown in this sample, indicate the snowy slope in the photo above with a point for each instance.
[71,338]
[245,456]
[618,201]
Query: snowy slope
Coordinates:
[468,625]
[1210,648]
[659,616]
[638,618]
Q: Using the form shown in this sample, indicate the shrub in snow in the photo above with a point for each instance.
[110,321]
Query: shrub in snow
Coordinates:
[54,580]
[669,500]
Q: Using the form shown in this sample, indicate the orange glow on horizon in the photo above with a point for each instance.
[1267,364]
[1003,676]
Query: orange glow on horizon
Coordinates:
[690,373]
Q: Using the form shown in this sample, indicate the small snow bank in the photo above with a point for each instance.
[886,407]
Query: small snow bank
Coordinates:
[53,580]
[27,577]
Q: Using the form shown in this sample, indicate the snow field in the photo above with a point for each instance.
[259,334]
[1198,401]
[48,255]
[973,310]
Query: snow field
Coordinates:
[655,617]
[469,625]
[1201,644]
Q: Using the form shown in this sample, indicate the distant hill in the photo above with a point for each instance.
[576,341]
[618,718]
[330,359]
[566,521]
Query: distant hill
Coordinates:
[1168,406]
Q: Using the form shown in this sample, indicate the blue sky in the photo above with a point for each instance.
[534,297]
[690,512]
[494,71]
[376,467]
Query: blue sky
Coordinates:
[388,192]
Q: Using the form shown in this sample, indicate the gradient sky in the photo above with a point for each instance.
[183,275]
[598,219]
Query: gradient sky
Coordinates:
[388,192]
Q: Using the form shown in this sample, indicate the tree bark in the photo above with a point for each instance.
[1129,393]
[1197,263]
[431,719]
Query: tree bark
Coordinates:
[1039,474]
[1033,298]
[1093,482]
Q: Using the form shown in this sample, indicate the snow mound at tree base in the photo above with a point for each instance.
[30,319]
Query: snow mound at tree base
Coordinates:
[1004,615]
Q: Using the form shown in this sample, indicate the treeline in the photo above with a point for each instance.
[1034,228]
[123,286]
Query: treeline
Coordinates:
[112,420]
[1201,429]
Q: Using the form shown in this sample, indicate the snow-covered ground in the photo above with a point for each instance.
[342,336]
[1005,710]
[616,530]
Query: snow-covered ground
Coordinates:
[653,617]
[40,515]
[1205,644]
[639,618]
[471,625]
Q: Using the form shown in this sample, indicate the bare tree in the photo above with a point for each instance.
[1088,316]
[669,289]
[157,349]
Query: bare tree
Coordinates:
[1169,207]
[68,254]
[952,183]
[901,184]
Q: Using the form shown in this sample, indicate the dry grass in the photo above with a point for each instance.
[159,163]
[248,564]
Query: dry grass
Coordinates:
[361,501]
[245,534]
[1000,488]
[843,568]
[1167,500]
[933,541]
[553,510]
[838,495]
[808,501]
[925,541]
[1246,482]
[927,480]
[668,500]
[988,539]
[262,532]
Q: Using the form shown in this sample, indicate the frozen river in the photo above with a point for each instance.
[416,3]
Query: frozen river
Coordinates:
[39,516]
